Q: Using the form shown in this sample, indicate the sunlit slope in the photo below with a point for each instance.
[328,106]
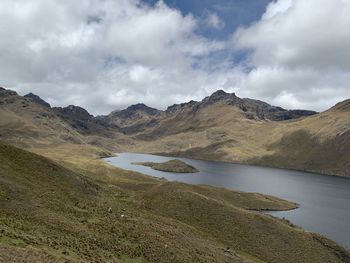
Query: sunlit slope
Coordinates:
[319,143]
[27,123]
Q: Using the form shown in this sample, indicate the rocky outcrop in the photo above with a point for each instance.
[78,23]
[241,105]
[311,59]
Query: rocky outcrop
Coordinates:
[37,99]
[133,110]
[253,109]
[75,112]
[79,118]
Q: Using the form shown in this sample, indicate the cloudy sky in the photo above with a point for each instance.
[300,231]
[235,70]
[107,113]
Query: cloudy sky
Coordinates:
[108,54]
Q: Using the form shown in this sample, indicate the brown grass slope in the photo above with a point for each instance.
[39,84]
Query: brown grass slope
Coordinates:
[51,213]
[221,127]
[54,214]
[318,143]
[24,122]
[27,123]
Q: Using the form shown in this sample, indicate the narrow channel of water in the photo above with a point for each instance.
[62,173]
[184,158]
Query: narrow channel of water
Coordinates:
[324,200]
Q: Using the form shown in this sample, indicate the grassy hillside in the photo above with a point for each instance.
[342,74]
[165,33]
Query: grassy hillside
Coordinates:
[318,143]
[28,124]
[99,213]
[51,212]
[218,128]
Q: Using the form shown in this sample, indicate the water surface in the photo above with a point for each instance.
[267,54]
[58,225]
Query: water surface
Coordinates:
[324,200]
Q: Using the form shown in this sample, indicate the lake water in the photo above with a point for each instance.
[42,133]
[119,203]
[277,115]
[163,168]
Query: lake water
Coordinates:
[324,200]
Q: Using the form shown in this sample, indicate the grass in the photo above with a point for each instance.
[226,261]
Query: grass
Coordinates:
[318,143]
[59,211]
[174,166]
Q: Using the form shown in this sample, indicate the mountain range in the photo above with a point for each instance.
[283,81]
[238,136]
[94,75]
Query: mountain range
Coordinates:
[221,127]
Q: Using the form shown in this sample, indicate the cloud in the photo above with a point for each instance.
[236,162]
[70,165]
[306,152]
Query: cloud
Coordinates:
[99,54]
[300,52]
[107,54]
[212,20]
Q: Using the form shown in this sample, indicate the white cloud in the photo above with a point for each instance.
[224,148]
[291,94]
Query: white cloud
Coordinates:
[300,53]
[91,52]
[212,20]
[108,54]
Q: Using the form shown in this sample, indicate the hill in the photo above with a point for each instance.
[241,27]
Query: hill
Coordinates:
[29,122]
[227,128]
[56,214]
[221,127]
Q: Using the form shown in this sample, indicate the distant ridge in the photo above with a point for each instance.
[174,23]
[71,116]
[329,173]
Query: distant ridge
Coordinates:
[252,108]
[222,127]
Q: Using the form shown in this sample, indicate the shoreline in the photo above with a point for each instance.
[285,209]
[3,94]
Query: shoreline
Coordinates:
[240,163]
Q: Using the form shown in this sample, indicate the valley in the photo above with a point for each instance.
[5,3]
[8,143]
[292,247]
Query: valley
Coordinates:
[221,127]
[83,209]
[175,131]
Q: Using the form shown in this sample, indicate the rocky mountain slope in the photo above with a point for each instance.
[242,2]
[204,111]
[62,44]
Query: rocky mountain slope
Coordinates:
[225,127]
[220,127]
[138,118]
[29,121]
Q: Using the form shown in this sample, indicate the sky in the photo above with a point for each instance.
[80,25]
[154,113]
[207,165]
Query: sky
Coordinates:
[105,55]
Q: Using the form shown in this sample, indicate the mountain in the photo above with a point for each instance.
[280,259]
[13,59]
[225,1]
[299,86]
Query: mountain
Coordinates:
[27,121]
[79,118]
[320,143]
[37,99]
[252,108]
[139,118]
[221,127]
[227,128]
[134,118]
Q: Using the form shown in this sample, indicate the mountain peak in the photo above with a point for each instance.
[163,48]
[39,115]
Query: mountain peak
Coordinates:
[73,111]
[220,93]
[37,99]
[131,110]
[6,92]
[138,106]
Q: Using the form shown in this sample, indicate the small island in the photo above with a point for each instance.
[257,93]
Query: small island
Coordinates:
[173,166]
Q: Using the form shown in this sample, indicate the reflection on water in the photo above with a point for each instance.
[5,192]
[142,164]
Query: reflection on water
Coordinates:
[324,200]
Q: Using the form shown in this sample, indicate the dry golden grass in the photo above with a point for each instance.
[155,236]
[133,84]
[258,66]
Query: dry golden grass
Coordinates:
[221,132]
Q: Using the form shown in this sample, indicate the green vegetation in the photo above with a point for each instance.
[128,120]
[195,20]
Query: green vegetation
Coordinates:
[88,211]
[174,166]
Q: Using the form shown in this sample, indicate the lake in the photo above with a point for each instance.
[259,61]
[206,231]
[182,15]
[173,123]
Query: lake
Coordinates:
[324,200]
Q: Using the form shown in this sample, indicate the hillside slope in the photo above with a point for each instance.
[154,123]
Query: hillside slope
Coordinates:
[28,121]
[53,214]
[221,127]
[218,130]
[320,143]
